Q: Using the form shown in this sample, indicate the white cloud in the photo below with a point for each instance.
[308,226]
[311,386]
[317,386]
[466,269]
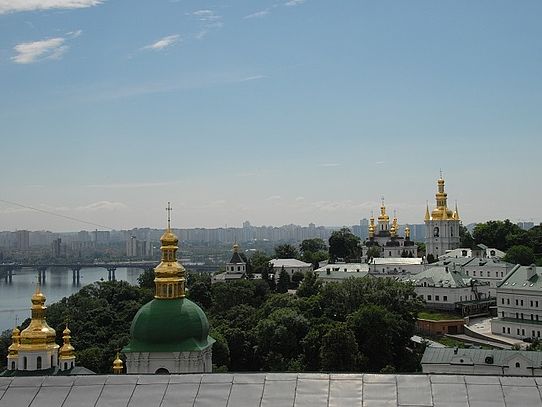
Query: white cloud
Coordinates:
[29,52]
[102,206]
[13,6]
[292,3]
[253,78]
[133,185]
[206,15]
[273,198]
[163,43]
[257,14]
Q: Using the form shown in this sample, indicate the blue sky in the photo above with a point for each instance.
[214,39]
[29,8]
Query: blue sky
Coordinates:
[272,111]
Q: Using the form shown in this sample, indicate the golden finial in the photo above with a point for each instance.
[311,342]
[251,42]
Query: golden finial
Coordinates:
[456,212]
[407,232]
[235,247]
[13,349]
[118,366]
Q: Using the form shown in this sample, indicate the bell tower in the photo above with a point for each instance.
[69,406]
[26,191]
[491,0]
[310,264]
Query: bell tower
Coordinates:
[441,225]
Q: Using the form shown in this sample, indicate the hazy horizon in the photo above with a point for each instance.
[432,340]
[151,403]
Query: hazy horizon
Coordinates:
[276,112]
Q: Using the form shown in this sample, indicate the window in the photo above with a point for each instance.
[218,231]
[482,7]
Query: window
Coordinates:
[518,331]
[502,301]
[537,317]
[65,365]
[531,303]
[538,334]
[238,268]
[523,332]
[428,298]
[517,315]
[536,304]
[503,330]
[508,330]
[532,319]
[13,363]
[445,298]
[38,363]
[25,363]
[436,297]
[52,361]
[533,334]
[502,274]
[481,273]
[518,365]
[508,301]
[522,303]
[467,272]
[517,302]
[502,314]
[474,272]
[522,315]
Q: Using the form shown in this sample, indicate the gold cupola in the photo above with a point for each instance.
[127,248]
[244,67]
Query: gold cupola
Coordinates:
[383,217]
[66,354]
[169,275]
[38,335]
[118,366]
[372,227]
[441,212]
[455,215]
[13,350]
[394,230]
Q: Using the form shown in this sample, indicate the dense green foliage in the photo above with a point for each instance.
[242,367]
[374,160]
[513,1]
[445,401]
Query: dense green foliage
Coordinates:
[466,239]
[504,235]
[520,254]
[314,251]
[361,324]
[343,244]
[286,251]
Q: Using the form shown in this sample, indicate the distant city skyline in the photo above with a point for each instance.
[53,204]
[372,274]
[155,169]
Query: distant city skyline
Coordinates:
[277,112]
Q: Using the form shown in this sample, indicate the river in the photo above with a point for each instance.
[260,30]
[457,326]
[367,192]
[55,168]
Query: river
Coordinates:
[15,296]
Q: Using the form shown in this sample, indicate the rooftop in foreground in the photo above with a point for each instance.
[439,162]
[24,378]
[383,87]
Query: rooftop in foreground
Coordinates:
[271,389]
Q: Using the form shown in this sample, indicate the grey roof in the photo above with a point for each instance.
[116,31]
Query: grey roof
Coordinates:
[236,259]
[517,279]
[476,262]
[500,357]
[337,275]
[271,389]
[443,276]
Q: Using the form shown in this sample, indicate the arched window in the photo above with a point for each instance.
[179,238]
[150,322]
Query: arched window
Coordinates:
[12,365]
[162,371]
[71,364]
[517,364]
[25,363]
[38,363]
[52,361]
[65,365]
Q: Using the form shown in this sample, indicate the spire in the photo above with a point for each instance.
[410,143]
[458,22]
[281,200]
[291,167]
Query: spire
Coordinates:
[169,209]
[427,215]
[456,212]
[118,366]
[169,274]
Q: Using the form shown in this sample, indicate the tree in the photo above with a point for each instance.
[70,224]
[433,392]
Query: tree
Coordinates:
[146,279]
[284,281]
[343,244]
[373,252]
[431,258]
[286,251]
[200,293]
[465,237]
[520,255]
[259,262]
[496,233]
[312,245]
[297,278]
[339,351]
[310,285]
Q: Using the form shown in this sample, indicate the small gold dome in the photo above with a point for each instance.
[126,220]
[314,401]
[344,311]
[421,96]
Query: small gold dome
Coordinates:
[169,238]
[118,365]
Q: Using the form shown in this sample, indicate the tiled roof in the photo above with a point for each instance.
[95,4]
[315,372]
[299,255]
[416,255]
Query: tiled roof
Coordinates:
[271,389]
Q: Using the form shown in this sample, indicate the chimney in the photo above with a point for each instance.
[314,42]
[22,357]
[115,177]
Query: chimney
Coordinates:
[531,271]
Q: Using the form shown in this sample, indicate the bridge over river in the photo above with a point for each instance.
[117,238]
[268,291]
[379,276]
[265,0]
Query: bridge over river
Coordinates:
[7,269]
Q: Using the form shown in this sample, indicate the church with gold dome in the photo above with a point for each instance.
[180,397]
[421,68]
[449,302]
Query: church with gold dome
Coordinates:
[385,237]
[169,334]
[33,351]
[441,225]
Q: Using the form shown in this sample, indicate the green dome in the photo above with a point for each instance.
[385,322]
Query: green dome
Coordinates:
[169,325]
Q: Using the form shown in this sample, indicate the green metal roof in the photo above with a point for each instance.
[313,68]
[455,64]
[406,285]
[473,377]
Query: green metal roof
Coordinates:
[517,279]
[169,325]
[478,356]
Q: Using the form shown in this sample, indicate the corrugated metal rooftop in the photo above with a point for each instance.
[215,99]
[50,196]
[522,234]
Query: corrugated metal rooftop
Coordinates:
[271,390]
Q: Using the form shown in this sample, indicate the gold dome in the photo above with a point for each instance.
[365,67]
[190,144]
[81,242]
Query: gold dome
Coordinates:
[441,212]
[67,350]
[118,365]
[383,217]
[169,275]
[38,335]
[407,232]
[13,349]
